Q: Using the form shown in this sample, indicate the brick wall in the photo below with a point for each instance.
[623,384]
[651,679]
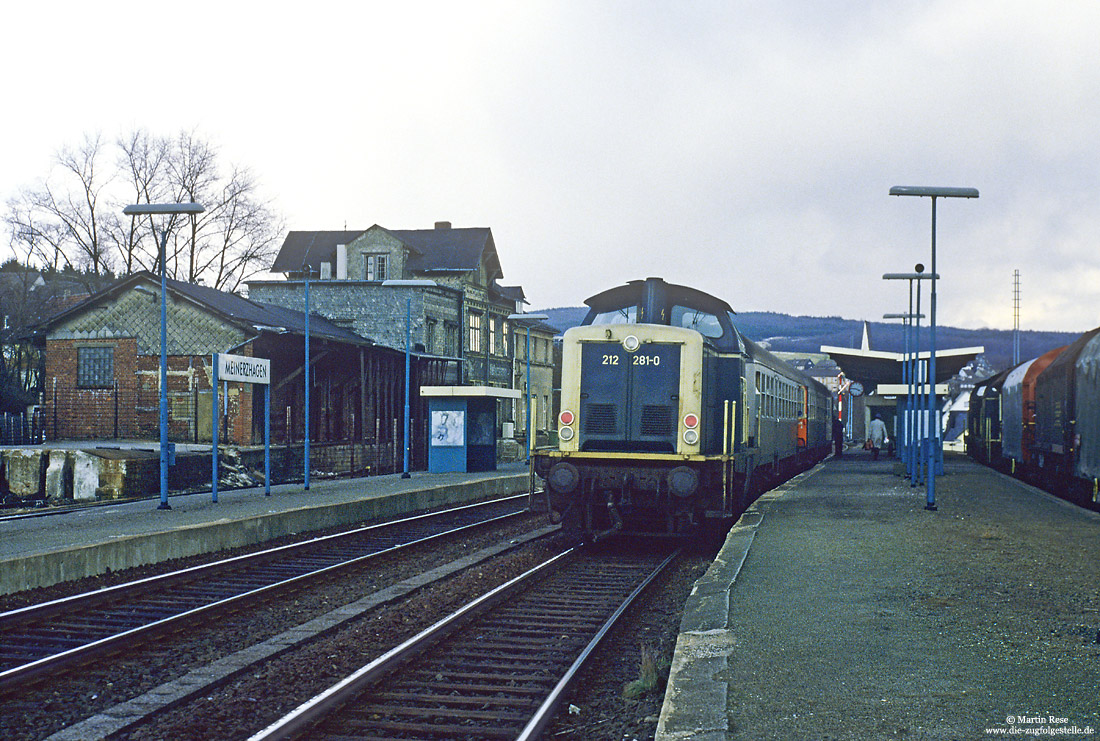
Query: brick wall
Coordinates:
[131,407]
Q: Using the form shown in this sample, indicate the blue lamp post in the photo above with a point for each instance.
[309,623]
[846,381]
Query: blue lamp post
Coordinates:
[305,409]
[912,371]
[171,209]
[933,409]
[527,320]
[907,380]
[414,283]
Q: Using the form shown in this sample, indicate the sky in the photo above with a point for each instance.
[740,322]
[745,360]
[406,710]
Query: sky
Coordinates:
[743,148]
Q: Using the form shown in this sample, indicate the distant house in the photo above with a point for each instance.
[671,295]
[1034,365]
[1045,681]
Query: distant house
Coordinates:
[102,371]
[458,310]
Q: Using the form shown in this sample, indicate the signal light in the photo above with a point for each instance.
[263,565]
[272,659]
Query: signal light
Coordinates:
[566,418]
[691,421]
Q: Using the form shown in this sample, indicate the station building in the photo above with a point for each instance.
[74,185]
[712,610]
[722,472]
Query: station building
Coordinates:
[102,359]
[447,281]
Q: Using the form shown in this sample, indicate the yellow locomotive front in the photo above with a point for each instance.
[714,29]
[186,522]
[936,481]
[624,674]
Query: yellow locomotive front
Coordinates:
[630,429]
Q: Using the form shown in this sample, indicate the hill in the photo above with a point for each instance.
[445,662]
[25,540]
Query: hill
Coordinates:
[805,334]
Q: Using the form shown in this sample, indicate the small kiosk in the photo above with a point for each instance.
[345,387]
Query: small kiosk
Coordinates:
[462,427]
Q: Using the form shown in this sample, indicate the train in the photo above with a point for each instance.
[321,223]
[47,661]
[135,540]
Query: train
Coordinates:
[1040,420]
[671,421]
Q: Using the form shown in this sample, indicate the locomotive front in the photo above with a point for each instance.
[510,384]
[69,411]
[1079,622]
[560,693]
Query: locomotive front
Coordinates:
[629,428]
[635,426]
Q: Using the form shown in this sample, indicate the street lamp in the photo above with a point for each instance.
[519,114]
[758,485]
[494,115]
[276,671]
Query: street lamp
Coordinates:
[527,320]
[171,209]
[933,408]
[912,362]
[408,329]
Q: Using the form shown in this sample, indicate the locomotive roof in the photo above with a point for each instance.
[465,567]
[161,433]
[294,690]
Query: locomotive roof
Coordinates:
[640,292]
[634,291]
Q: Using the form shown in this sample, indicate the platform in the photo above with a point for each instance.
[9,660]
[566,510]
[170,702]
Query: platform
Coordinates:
[839,608]
[41,551]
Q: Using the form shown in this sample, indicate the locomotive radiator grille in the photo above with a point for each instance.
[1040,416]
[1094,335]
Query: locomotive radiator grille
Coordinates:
[656,420]
[601,419]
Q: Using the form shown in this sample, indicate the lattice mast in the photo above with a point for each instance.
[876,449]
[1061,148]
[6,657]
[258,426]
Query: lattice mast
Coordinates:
[1016,317]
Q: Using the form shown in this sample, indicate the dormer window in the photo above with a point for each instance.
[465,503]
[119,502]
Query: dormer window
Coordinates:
[376,267]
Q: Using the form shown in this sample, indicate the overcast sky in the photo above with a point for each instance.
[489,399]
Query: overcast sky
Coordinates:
[744,148]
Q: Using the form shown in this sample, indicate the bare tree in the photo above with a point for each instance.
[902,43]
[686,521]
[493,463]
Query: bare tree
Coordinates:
[144,162]
[60,221]
[75,219]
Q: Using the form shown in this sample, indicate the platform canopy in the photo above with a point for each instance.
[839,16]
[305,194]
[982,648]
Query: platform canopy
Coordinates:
[875,367]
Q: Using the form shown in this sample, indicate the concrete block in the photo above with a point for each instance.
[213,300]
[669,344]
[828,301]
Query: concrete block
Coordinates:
[85,476]
[55,475]
[22,469]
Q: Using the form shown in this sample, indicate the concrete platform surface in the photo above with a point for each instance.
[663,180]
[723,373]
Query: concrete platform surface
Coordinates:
[40,551]
[839,608]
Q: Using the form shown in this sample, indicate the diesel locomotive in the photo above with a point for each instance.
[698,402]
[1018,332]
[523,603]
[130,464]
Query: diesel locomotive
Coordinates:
[671,419]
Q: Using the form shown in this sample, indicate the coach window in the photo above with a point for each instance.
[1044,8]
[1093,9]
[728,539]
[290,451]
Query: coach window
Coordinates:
[95,367]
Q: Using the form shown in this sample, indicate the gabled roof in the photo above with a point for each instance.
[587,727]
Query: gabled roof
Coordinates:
[508,293]
[234,309]
[312,248]
[433,250]
[443,250]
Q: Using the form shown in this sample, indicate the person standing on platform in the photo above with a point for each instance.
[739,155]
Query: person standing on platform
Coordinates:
[838,437]
[877,435]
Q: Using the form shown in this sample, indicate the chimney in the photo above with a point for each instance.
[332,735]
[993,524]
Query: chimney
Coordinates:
[442,225]
[341,262]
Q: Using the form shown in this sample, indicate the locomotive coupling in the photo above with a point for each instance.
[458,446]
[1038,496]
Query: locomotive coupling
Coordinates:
[683,481]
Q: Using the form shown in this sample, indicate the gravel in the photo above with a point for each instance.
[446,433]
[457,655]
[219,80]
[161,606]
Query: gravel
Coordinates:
[91,689]
[596,709]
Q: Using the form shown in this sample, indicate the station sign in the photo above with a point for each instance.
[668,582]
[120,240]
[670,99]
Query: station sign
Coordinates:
[244,369]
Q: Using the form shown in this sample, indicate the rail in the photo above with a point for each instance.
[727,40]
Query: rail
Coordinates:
[46,637]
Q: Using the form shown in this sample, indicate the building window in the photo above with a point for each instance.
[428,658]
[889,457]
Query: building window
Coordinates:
[376,267]
[494,340]
[95,367]
[474,344]
[429,335]
[450,340]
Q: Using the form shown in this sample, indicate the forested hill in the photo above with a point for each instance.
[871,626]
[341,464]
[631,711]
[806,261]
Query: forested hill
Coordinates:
[786,333]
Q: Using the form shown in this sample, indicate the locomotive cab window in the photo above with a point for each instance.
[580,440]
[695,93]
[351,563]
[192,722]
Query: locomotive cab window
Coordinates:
[625,315]
[702,322]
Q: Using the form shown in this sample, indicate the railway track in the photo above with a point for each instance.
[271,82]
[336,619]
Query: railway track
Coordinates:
[495,669]
[41,640]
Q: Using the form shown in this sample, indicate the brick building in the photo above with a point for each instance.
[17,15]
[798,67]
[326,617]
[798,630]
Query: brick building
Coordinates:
[102,371]
[462,316]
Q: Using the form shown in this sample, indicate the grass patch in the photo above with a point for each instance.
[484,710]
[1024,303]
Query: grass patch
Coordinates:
[652,673]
